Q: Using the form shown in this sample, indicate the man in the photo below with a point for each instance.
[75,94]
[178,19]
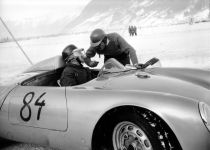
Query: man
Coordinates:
[129,31]
[74,73]
[111,46]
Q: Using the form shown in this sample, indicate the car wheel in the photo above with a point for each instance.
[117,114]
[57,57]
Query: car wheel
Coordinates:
[128,132]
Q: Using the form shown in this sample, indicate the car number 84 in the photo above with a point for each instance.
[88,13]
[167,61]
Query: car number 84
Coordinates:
[28,98]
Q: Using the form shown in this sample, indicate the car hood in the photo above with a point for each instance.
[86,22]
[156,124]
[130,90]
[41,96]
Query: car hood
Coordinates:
[190,83]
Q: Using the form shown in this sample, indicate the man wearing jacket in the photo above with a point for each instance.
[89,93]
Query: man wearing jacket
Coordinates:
[74,73]
[110,45]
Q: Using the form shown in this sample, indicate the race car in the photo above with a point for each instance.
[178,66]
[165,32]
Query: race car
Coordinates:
[122,108]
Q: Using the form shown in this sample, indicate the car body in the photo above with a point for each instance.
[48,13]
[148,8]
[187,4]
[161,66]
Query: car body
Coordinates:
[122,108]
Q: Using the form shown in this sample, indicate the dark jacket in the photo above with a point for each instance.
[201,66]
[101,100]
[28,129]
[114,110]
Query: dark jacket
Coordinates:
[75,75]
[117,48]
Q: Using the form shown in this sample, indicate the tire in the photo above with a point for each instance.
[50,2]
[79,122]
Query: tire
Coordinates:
[126,131]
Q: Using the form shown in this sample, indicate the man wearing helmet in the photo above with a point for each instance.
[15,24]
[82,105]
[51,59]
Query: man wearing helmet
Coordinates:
[111,46]
[74,73]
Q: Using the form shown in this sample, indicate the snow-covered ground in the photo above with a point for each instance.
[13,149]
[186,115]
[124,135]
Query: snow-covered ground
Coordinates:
[176,46]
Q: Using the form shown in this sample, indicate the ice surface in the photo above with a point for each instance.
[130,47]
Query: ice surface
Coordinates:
[176,46]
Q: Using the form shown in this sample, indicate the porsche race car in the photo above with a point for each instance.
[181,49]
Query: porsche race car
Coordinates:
[122,108]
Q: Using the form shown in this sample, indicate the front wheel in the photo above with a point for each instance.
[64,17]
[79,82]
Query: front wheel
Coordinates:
[129,136]
[127,131]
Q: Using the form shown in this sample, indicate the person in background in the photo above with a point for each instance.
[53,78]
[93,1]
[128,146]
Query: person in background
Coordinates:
[129,30]
[135,30]
[74,73]
[110,45]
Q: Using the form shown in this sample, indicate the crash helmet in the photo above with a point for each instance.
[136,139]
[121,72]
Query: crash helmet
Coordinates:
[68,51]
[72,52]
[96,37]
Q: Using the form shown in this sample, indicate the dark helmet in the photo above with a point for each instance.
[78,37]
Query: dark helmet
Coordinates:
[68,51]
[96,37]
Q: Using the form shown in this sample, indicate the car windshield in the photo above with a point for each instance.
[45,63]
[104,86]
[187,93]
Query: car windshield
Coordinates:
[49,64]
[111,66]
[114,66]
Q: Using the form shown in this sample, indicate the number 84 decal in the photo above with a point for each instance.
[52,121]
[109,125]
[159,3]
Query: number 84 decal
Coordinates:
[27,105]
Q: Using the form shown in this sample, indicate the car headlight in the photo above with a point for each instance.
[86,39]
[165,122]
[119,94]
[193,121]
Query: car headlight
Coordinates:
[205,113]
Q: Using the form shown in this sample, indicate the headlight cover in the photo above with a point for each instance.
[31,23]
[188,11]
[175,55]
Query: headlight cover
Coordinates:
[205,113]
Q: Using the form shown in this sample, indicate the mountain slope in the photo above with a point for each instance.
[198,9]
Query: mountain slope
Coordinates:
[121,13]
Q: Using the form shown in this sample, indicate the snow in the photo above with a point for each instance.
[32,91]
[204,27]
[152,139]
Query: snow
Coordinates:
[176,46]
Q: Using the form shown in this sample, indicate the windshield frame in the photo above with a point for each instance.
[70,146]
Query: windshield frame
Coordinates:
[111,66]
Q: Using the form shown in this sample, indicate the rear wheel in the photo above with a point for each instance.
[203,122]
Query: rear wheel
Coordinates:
[127,132]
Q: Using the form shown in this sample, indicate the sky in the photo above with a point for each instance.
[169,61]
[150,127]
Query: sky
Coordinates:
[31,9]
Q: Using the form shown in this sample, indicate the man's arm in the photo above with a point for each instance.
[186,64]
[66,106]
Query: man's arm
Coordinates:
[89,62]
[87,57]
[124,46]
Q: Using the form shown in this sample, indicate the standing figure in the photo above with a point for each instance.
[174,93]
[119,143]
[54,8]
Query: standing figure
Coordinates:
[129,30]
[135,30]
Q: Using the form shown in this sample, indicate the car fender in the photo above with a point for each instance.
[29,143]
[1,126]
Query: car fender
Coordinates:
[180,113]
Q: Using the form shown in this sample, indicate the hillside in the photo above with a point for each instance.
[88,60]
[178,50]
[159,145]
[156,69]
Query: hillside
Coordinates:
[111,15]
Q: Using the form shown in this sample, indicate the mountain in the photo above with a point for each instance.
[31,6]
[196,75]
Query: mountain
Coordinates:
[117,14]
[112,15]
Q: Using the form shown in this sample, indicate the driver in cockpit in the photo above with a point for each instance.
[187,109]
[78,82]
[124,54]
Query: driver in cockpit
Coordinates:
[74,73]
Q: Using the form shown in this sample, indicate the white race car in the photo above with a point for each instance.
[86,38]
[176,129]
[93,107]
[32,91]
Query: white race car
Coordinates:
[152,108]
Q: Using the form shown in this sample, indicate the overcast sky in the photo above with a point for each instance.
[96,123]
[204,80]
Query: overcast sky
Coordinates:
[29,9]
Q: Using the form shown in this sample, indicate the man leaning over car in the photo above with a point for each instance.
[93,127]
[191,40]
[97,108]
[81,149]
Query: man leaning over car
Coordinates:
[110,45]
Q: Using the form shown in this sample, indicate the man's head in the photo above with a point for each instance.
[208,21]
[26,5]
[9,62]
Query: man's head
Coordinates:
[71,52]
[98,39]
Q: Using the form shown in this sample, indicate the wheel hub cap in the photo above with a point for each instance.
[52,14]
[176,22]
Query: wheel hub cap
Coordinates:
[128,136]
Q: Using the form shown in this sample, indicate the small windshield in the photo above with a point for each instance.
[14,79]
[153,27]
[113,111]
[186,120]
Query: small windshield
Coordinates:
[49,64]
[114,66]
[110,66]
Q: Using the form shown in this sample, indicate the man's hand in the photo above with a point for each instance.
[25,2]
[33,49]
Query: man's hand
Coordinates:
[89,62]
[93,63]
[139,66]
